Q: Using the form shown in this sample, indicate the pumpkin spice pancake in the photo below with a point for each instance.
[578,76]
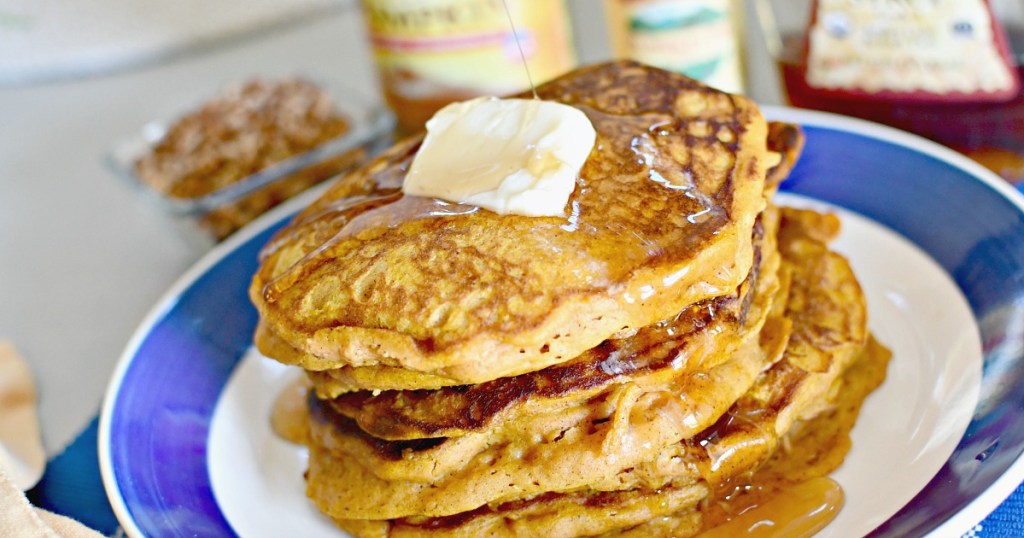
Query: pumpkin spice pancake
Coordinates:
[785,141]
[701,337]
[661,217]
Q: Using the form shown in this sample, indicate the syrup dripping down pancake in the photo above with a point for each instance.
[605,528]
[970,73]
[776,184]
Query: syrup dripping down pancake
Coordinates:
[661,218]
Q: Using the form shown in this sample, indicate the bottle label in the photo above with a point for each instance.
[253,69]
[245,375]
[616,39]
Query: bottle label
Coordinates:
[695,37]
[915,47]
[462,48]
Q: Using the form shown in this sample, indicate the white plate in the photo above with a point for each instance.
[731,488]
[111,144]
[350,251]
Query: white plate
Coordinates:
[907,430]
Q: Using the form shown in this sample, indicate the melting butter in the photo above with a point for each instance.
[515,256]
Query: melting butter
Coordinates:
[511,156]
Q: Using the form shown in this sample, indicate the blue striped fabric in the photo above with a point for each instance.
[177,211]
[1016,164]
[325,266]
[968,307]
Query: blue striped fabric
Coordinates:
[1007,521]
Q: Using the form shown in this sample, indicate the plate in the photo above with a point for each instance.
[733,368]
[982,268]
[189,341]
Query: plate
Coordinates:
[937,241]
[250,467]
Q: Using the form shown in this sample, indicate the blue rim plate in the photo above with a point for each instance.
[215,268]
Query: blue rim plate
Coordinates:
[156,417]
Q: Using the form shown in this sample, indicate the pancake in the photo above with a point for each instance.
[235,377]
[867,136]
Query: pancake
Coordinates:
[654,355]
[354,473]
[661,497]
[611,371]
[784,140]
[354,476]
[661,218]
[698,338]
[828,313]
[552,515]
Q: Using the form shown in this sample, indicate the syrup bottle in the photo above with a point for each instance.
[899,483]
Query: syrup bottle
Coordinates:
[698,38]
[429,54]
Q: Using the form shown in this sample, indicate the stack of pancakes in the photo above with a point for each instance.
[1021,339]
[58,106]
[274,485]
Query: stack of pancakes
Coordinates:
[477,374]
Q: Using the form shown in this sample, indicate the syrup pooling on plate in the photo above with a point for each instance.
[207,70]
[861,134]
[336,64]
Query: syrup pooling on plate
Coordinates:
[791,495]
[289,415]
[794,511]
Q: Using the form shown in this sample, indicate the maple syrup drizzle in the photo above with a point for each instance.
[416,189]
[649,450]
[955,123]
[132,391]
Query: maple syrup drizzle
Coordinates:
[289,416]
[626,149]
[792,495]
[519,45]
[791,511]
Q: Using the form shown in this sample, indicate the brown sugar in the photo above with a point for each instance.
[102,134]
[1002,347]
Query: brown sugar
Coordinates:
[241,132]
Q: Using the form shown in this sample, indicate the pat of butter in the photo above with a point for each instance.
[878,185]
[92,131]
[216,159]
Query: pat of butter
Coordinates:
[518,156]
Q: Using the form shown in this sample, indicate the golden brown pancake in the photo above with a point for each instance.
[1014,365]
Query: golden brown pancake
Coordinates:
[659,498]
[354,476]
[812,448]
[554,515]
[785,140]
[654,355]
[698,338]
[661,218]
[826,310]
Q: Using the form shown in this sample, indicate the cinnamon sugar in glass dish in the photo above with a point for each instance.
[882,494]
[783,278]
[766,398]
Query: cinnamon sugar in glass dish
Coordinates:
[221,164]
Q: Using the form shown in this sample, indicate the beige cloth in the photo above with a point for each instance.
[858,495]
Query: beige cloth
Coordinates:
[22,458]
[19,518]
[21,446]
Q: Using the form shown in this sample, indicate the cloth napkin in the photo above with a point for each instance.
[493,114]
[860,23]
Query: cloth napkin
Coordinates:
[21,447]
[22,458]
[19,518]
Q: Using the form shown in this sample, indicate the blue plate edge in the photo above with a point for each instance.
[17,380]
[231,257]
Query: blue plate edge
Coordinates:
[160,310]
[973,512]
